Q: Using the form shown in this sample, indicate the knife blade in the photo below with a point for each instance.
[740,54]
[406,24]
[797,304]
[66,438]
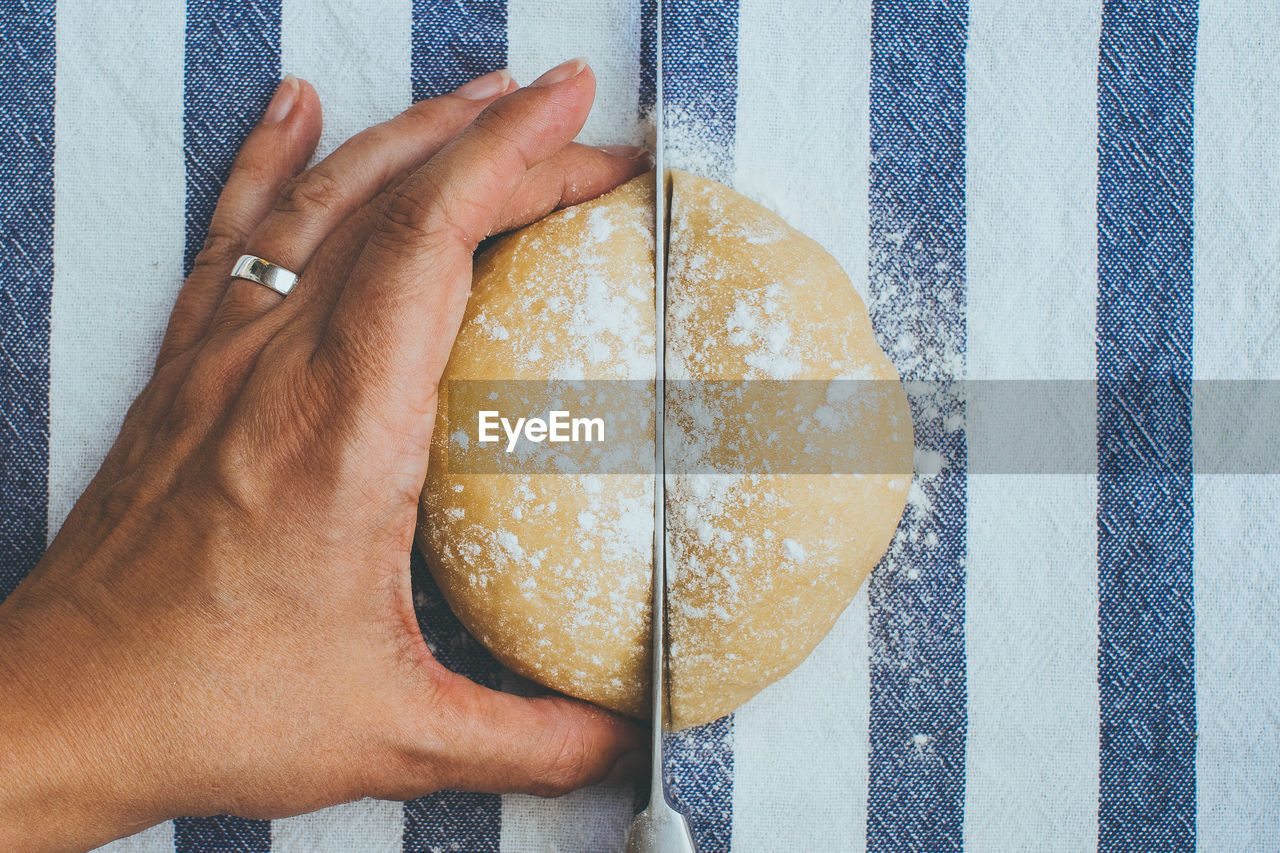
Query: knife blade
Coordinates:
[660,828]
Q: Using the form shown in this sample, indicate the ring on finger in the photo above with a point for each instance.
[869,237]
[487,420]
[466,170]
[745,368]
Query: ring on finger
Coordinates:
[265,273]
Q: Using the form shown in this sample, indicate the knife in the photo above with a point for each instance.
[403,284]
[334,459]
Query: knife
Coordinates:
[660,828]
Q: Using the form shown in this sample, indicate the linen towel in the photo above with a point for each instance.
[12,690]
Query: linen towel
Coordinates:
[1077,193]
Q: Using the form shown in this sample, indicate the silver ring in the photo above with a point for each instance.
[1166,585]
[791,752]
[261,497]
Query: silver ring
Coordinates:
[265,273]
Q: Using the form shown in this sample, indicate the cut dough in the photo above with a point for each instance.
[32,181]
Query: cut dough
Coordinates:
[551,571]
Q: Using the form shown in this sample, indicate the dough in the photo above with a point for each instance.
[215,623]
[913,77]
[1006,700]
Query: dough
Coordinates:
[551,571]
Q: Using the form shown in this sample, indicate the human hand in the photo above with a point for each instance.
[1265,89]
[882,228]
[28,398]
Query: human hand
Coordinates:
[224,622]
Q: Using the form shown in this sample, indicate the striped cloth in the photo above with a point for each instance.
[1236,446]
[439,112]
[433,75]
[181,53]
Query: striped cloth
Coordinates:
[1053,190]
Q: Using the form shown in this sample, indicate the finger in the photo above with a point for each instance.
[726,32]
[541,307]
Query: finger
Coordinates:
[310,206]
[276,150]
[396,319]
[548,745]
[573,175]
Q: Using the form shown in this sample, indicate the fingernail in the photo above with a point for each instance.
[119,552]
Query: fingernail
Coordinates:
[627,152]
[562,72]
[485,86]
[282,101]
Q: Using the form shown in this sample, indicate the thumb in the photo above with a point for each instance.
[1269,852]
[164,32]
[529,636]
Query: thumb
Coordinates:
[548,745]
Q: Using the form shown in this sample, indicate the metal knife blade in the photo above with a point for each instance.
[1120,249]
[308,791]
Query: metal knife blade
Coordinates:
[660,828]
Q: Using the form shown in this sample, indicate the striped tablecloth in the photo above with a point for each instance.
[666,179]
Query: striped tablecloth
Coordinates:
[1053,190]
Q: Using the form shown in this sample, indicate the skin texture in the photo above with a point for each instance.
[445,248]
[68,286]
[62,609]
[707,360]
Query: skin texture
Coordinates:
[225,623]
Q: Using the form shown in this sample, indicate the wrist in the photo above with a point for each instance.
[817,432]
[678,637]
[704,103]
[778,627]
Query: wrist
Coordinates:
[76,772]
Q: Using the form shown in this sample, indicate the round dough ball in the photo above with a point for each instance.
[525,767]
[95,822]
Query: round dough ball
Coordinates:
[765,563]
[551,571]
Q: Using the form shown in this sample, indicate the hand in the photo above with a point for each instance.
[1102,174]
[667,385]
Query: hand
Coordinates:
[224,623]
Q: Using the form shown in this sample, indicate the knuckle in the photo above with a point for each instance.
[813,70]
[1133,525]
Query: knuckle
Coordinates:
[567,761]
[196,404]
[289,344]
[312,191]
[210,380]
[350,359]
[410,211]
[252,171]
[228,319]
[503,130]
[436,120]
[242,469]
[500,119]
[399,233]
[425,213]
[226,322]
[243,303]
[142,412]
[220,248]
[274,435]
[497,147]
[379,137]
[216,373]
[378,204]
[233,471]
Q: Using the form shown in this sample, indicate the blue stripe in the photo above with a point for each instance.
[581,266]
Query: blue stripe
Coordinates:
[221,834]
[700,74]
[699,777]
[26,282]
[919,716]
[700,79]
[232,67]
[453,41]
[1146,667]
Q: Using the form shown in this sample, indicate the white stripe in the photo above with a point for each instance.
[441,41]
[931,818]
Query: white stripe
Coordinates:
[800,750]
[800,747]
[591,819]
[803,133]
[1031,595]
[118,224]
[540,35]
[369,826]
[1237,313]
[157,839]
[358,57]
[356,54]
[544,33]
